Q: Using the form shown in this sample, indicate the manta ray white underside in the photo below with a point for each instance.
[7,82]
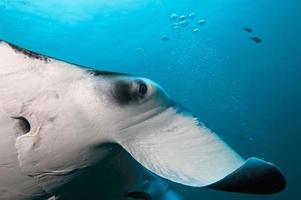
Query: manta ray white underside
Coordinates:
[60,122]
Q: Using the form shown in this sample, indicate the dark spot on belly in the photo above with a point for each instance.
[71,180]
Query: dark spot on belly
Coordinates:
[29,53]
[22,124]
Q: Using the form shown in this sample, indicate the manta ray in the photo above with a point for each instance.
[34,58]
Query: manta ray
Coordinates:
[66,129]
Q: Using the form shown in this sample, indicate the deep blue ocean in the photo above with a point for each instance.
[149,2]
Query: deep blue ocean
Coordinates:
[247,91]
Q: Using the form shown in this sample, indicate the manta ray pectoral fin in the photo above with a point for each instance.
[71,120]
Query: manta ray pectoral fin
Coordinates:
[48,60]
[176,147]
[255,176]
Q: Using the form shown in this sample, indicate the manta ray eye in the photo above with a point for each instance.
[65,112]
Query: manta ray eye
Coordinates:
[142,89]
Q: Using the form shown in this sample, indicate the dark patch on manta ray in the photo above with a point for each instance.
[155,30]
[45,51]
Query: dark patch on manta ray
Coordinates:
[95,72]
[122,92]
[45,58]
[255,176]
[28,53]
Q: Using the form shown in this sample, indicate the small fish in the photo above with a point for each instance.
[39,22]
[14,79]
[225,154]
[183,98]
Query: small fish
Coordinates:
[164,38]
[196,30]
[184,23]
[192,16]
[256,39]
[173,16]
[182,17]
[175,26]
[249,30]
[139,195]
[243,137]
[201,22]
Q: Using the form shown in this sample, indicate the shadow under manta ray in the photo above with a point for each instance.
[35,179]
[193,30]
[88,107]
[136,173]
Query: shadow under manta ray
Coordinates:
[59,122]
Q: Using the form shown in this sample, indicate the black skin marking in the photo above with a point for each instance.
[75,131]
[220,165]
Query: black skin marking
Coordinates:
[35,55]
[95,72]
[29,53]
[139,195]
[254,177]
[23,124]
[256,39]
[124,94]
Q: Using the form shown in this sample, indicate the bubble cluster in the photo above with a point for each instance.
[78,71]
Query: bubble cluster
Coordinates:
[183,21]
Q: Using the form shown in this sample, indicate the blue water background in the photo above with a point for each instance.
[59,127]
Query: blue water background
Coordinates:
[248,93]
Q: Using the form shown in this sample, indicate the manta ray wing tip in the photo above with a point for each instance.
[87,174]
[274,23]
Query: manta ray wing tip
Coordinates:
[255,176]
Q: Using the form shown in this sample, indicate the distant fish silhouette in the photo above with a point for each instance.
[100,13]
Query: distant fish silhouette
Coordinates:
[173,16]
[196,30]
[139,195]
[243,137]
[249,30]
[192,16]
[201,22]
[164,38]
[175,26]
[182,17]
[256,39]
[184,23]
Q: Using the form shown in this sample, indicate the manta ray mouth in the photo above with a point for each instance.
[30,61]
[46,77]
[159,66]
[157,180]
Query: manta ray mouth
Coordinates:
[175,146]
